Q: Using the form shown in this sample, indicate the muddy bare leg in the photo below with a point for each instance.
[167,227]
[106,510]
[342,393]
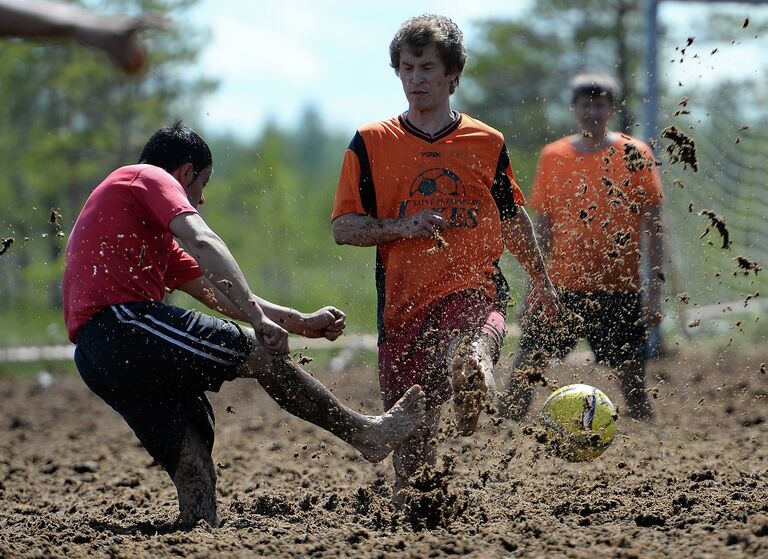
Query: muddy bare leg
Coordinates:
[515,401]
[299,393]
[195,481]
[632,376]
[414,453]
[472,380]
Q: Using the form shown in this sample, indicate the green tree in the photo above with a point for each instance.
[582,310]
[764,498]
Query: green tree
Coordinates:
[67,119]
[517,74]
[271,201]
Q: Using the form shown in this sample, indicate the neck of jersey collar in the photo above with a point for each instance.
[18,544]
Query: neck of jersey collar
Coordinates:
[409,127]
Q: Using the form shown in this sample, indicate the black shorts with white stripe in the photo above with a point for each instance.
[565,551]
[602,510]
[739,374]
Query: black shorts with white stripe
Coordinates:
[153,364]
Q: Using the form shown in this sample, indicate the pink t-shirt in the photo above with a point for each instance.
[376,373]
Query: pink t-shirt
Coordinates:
[121,249]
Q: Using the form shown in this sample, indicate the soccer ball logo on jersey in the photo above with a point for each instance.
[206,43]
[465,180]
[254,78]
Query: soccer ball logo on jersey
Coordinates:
[438,181]
[442,191]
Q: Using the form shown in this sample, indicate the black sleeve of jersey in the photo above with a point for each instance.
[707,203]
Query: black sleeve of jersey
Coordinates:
[502,187]
[367,191]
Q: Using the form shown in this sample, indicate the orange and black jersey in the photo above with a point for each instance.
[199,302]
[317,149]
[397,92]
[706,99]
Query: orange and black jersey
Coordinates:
[392,169]
[595,203]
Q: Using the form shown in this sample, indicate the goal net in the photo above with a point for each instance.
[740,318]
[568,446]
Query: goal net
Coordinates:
[717,234]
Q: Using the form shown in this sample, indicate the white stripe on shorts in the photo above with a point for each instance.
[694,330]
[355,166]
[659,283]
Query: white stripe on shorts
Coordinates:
[183,333]
[167,338]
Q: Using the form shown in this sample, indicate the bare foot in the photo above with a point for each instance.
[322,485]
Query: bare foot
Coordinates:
[471,378]
[388,431]
[399,493]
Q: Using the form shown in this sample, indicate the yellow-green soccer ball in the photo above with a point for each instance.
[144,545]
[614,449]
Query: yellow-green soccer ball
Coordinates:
[580,421]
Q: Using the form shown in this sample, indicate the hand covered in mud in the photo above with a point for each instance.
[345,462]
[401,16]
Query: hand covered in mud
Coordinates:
[271,336]
[543,299]
[327,323]
[424,224]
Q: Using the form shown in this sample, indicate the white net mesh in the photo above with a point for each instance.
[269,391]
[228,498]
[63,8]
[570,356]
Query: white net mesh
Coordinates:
[730,183]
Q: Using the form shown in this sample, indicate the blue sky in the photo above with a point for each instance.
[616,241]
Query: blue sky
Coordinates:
[273,59]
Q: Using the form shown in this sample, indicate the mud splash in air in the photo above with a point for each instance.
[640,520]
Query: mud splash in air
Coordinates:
[747,265]
[718,222]
[5,245]
[682,148]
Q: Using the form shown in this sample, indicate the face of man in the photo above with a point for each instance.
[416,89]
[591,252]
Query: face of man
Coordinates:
[424,80]
[196,184]
[593,114]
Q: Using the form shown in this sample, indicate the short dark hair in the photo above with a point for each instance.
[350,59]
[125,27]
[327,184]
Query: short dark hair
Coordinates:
[593,85]
[173,146]
[418,32]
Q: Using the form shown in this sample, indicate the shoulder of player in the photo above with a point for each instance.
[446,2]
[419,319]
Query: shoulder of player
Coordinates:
[151,174]
[373,134]
[561,147]
[625,139]
[379,127]
[471,123]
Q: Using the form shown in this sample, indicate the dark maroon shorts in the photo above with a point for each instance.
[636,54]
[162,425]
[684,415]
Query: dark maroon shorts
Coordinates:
[417,353]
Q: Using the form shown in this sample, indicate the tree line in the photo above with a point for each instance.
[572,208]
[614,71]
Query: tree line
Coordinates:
[67,119]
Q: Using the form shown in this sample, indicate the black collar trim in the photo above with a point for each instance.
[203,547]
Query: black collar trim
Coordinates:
[411,129]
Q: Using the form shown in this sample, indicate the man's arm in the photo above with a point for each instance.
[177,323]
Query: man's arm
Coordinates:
[651,227]
[327,322]
[117,36]
[543,231]
[365,231]
[218,264]
[520,240]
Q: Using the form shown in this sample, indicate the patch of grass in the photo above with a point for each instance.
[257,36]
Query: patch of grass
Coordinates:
[31,326]
[19,370]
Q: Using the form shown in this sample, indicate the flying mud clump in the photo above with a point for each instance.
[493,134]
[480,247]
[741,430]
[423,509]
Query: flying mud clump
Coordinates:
[682,149]
[747,265]
[718,222]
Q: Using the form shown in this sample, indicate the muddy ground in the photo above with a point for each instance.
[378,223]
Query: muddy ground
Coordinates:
[694,483]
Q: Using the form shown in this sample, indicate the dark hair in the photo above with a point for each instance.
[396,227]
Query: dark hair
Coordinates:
[593,85]
[173,146]
[418,32]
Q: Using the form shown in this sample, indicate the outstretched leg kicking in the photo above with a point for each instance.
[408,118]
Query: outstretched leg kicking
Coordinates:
[472,380]
[297,392]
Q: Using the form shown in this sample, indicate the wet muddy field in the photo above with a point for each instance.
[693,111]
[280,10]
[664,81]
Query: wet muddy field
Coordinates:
[693,483]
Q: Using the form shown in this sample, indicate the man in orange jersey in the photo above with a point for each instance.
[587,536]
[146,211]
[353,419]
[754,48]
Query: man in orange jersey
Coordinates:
[433,190]
[598,195]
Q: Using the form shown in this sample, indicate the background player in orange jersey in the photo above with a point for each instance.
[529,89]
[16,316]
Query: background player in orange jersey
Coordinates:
[434,191]
[598,194]
[116,36]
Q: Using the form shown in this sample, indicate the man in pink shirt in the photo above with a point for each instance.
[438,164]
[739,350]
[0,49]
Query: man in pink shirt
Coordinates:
[152,362]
